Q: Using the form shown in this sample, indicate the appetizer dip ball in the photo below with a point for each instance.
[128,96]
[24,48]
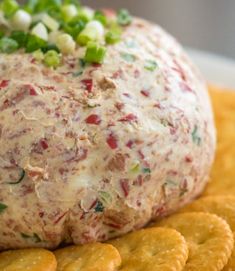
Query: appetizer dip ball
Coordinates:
[93,151]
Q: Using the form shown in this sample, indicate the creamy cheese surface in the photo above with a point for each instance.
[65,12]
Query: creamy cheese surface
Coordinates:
[90,152]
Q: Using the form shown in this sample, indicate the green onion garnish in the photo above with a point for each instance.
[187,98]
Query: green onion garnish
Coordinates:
[52,59]
[20,37]
[34,43]
[151,65]
[8,45]
[100,16]
[124,18]
[112,37]
[1,34]
[95,53]
[9,7]
[86,36]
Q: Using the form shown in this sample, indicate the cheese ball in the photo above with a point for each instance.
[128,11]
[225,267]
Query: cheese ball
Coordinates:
[93,151]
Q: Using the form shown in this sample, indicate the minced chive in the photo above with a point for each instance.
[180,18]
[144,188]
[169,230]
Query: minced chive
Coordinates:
[34,43]
[8,45]
[100,16]
[19,36]
[2,207]
[86,36]
[112,37]
[9,7]
[124,18]
[151,65]
[52,59]
[95,53]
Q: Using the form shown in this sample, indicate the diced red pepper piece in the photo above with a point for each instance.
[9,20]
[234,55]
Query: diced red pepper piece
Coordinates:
[88,84]
[145,93]
[4,83]
[125,186]
[44,144]
[112,141]
[31,89]
[130,143]
[129,117]
[93,119]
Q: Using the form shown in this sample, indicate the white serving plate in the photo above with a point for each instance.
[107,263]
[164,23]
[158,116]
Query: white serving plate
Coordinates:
[216,69]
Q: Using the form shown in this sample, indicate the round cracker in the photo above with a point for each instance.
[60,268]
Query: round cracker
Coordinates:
[35,259]
[222,174]
[89,257]
[223,206]
[152,249]
[209,238]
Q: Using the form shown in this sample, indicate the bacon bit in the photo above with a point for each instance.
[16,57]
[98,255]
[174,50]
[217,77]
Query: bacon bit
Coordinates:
[112,141]
[59,218]
[127,95]
[4,83]
[145,93]
[130,143]
[112,225]
[141,154]
[41,214]
[117,163]
[129,117]
[44,144]
[117,74]
[179,70]
[88,84]
[119,106]
[185,87]
[136,73]
[188,159]
[139,181]
[125,186]
[158,105]
[93,204]
[31,89]
[96,65]
[93,119]
[173,130]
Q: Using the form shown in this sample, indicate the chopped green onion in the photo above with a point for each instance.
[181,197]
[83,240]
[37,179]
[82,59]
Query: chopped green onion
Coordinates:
[135,168]
[151,65]
[9,7]
[52,59]
[124,18]
[69,12]
[112,37]
[38,55]
[8,45]
[40,31]
[21,20]
[74,2]
[147,170]
[2,207]
[49,22]
[20,37]
[49,47]
[34,43]
[65,43]
[30,6]
[86,36]
[95,53]
[47,5]
[86,14]
[96,25]
[100,16]
[74,27]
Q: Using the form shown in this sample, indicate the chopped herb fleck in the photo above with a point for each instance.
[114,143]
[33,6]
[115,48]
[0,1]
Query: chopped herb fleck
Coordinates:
[195,137]
[147,170]
[128,57]
[99,208]
[35,238]
[150,65]
[77,74]
[2,207]
[21,177]
[105,197]
[124,18]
